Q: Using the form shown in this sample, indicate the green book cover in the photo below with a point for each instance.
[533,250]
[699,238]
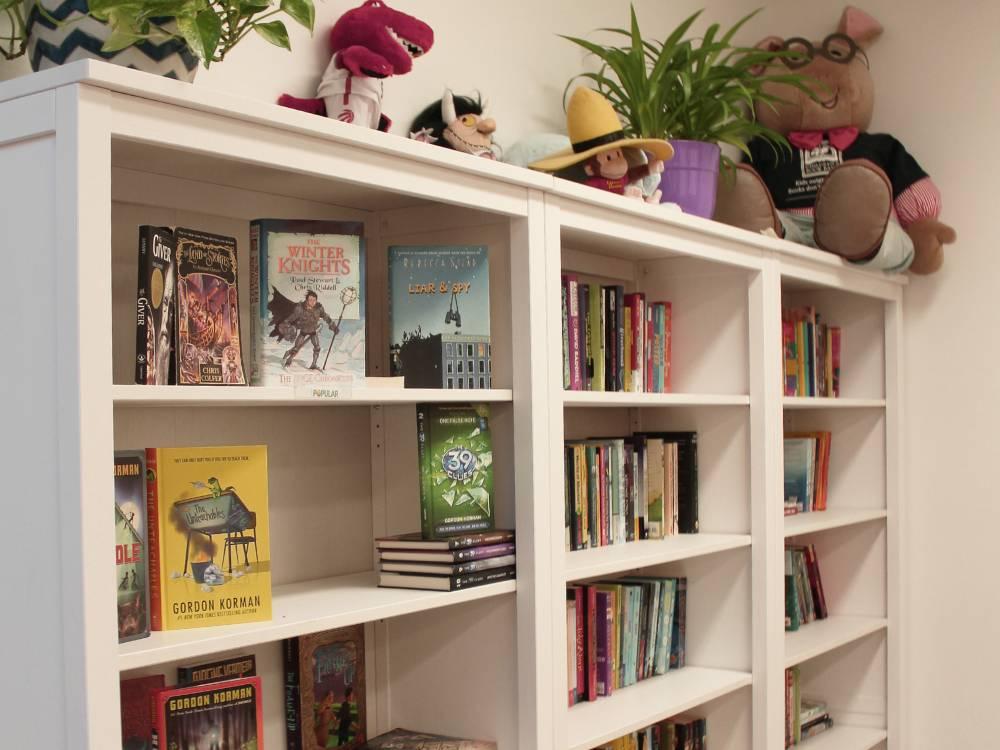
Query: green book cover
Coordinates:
[456,469]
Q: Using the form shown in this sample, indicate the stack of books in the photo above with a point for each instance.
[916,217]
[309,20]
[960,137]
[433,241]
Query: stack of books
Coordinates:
[811,354]
[804,718]
[678,733]
[807,471]
[804,598]
[450,564]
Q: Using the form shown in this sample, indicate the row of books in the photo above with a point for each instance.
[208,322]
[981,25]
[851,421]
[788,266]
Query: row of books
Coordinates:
[613,341]
[807,471]
[622,631]
[450,564]
[804,718]
[804,597]
[678,733]
[619,490]
[811,354]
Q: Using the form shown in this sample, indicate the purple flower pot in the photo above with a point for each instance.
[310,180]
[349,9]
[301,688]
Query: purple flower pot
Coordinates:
[691,177]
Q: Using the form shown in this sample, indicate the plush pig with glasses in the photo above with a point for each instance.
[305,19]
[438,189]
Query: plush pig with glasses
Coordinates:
[856,194]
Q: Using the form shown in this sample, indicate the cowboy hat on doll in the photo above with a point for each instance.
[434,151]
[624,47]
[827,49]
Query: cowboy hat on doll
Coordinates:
[609,160]
[856,194]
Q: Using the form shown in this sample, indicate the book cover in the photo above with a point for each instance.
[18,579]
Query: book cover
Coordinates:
[571,686]
[154,313]
[595,337]
[439,315]
[444,569]
[218,670]
[307,299]
[137,721]
[325,690]
[416,541]
[797,471]
[446,583]
[131,558]
[217,715]
[455,451]
[404,739]
[467,554]
[211,553]
[208,349]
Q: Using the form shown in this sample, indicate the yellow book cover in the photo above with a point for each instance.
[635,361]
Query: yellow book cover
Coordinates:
[211,562]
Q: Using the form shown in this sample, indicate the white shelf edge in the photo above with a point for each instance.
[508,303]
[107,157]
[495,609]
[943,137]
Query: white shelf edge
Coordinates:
[299,609]
[232,395]
[808,523]
[619,398]
[816,402]
[842,737]
[821,636]
[598,561]
[589,724]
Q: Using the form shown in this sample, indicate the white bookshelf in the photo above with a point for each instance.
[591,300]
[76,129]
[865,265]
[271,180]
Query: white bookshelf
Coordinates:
[99,150]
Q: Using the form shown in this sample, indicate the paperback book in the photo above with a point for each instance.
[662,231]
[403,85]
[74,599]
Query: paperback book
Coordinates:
[131,572]
[209,543]
[404,739]
[439,313]
[137,720]
[807,471]
[208,314]
[307,300]
[154,314]
[216,671]
[216,715]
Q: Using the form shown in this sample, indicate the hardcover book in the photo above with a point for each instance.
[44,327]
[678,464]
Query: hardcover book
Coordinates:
[217,715]
[137,721]
[415,541]
[307,299]
[488,551]
[404,739]
[444,569]
[208,314]
[455,454]
[446,583]
[131,571]
[209,543]
[325,690]
[439,313]
[154,314]
[216,671]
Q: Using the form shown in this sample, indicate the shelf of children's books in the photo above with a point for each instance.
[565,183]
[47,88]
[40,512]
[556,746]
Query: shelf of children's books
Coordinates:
[815,402]
[174,395]
[615,558]
[647,702]
[831,518]
[299,609]
[620,399]
[820,636]
[844,738]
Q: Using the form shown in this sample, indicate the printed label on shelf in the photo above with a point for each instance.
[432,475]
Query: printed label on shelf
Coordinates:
[320,387]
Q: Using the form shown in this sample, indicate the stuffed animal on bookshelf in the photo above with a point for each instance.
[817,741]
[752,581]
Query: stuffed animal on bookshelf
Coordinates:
[459,123]
[598,145]
[856,194]
[368,43]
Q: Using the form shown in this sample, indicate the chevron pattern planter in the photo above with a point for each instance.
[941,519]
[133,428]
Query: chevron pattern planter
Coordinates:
[51,44]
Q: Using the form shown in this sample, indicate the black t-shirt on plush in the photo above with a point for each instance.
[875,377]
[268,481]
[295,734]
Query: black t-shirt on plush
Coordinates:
[795,179]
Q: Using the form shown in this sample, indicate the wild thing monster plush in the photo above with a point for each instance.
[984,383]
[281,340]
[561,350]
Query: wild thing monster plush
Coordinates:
[856,194]
[368,43]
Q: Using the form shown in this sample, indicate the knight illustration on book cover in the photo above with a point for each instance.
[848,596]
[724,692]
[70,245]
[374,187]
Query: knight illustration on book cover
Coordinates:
[307,297]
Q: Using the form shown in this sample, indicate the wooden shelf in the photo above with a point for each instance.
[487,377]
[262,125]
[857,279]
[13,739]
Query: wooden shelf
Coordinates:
[230,395]
[646,702]
[845,738]
[618,398]
[614,558]
[831,518]
[814,402]
[821,636]
[297,609]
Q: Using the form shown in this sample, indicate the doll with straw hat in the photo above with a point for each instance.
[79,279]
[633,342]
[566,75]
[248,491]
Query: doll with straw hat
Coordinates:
[598,143]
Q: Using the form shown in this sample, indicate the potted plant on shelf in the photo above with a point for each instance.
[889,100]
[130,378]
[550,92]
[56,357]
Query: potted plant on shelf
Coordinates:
[167,37]
[696,93]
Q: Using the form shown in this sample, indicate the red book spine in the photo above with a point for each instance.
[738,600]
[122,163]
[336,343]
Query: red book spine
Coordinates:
[581,644]
[153,542]
[591,643]
[816,582]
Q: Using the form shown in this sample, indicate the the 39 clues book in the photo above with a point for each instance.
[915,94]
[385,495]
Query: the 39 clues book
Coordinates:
[455,455]
[154,314]
[307,299]
[208,347]
[439,312]
[131,572]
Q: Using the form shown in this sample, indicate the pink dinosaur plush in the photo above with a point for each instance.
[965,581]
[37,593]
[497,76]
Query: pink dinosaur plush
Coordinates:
[368,43]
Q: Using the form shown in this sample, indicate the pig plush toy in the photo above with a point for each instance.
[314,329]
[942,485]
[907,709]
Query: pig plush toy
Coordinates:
[856,194]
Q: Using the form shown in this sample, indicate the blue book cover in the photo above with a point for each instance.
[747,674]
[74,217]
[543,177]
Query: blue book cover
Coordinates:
[439,316]
[797,473]
[307,299]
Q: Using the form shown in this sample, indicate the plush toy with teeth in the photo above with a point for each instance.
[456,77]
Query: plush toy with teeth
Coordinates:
[458,123]
[369,43]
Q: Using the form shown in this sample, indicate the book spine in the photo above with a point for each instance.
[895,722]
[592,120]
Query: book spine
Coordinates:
[680,626]
[573,323]
[481,578]
[628,345]
[569,492]
[480,553]
[800,348]
[256,345]
[582,293]
[608,295]
[596,324]
[602,644]
[564,291]
[812,562]
[581,644]
[142,311]
[293,705]
[153,541]
[619,292]
[591,593]
[667,339]
[423,462]
[649,382]
[835,346]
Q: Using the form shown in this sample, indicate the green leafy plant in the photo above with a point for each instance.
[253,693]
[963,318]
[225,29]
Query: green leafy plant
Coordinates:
[700,89]
[14,40]
[211,28]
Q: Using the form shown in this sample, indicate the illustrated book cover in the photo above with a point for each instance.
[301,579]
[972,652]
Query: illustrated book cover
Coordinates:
[439,313]
[218,670]
[155,307]
[131,571]
[455,455]
[404,739]
[208,349]
[325,690]
[307,299]
[137,721]
[217,715]
[209,542]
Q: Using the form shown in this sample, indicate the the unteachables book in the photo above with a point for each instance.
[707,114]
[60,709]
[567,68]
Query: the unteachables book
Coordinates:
[439,312]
